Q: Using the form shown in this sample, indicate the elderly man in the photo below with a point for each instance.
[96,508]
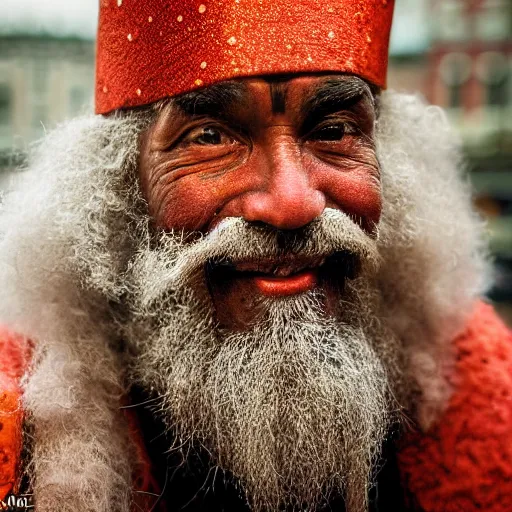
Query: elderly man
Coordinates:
[251,282]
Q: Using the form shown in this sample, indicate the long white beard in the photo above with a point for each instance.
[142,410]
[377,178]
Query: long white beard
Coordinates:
[296,410]
[297,406]
[69,234]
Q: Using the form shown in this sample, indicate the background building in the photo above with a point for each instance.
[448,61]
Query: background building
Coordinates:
[43,80]
[465,66]
[457,53]
[469,72]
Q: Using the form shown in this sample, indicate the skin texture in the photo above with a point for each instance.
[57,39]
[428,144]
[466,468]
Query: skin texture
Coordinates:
[274,151]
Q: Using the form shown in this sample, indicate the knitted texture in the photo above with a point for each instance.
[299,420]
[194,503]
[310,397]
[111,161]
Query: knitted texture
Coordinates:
[15,355]
[464,463]
[14,359]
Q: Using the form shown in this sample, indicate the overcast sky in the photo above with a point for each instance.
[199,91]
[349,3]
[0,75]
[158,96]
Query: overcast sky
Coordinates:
[61,17]
[79,18]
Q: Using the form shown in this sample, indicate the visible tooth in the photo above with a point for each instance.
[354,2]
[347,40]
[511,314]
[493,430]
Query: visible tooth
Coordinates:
[283,268]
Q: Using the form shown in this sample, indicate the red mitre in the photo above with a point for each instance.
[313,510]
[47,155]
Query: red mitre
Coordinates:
[150,49]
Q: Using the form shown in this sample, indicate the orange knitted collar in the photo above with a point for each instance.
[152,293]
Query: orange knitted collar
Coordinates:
[464,462]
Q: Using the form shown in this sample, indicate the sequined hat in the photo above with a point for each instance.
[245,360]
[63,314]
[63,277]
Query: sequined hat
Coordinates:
[150,49]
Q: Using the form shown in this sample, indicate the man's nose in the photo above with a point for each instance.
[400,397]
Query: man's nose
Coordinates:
[288,199]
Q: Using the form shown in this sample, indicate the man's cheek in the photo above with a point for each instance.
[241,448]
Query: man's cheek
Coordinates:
[193,202]
[188,203]
[354,189]
[198,195]
[359,195]
[189,190]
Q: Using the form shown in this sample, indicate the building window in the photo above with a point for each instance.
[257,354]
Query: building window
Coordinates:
[40,103]
[5,104]
[455,70]
[452,23]
[493,71]
[454,96]
[497,94]
[493,22]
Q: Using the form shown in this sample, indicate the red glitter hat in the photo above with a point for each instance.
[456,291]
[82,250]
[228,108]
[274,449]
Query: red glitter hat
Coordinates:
[150,49]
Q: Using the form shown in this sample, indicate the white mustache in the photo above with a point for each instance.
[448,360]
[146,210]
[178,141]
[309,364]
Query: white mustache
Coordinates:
[179,264]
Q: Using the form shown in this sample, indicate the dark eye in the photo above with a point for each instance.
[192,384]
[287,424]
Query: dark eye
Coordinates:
[329,133]
[207,136]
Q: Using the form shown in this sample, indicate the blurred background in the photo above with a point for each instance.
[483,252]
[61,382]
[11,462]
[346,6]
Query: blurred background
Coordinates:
[456,53]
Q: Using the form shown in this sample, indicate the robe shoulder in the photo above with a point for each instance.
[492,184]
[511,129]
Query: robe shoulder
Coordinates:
[15,353]
[464,462]
[15,356]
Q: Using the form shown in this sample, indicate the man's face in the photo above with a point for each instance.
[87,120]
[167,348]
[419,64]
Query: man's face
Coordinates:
[274,152]
[254,309]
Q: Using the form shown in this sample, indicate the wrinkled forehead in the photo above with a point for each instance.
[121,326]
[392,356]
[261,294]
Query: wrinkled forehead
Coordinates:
[278,94]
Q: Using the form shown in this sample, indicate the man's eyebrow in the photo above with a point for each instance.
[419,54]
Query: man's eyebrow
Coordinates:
[213,101]
[334,95]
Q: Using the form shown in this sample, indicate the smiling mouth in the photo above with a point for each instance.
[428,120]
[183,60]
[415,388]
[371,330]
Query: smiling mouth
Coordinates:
[285,276]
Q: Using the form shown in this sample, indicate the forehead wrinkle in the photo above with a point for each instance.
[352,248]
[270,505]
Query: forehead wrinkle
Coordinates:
[213,100]
[278,92]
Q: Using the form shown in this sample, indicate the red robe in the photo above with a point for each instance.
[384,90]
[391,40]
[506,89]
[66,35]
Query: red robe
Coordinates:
[462,464]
